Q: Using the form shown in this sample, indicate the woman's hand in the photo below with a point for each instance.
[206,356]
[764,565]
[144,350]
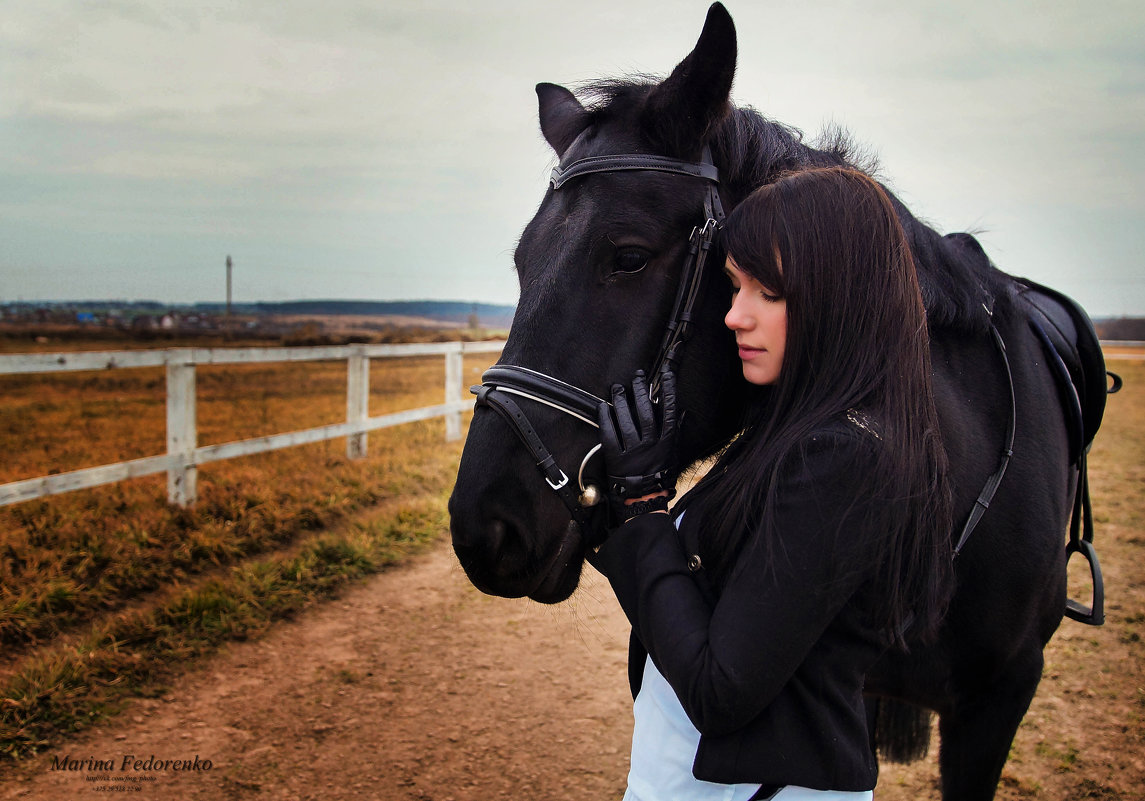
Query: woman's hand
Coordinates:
[639,444]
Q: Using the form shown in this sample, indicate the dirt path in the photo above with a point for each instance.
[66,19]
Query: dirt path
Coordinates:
[414,686]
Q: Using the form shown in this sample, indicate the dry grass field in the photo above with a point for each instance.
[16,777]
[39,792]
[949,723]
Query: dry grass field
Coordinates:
[1084,735]
[106,594]
[103,592]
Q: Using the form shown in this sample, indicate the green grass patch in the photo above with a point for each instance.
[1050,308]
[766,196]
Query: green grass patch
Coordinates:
[66,688]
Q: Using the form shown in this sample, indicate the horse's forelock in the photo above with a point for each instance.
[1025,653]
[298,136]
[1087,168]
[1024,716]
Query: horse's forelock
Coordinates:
[603,94]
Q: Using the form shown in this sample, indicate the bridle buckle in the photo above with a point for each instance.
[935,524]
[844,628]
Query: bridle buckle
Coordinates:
[560,484]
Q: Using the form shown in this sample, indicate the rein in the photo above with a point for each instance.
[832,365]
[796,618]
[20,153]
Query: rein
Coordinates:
[504,380]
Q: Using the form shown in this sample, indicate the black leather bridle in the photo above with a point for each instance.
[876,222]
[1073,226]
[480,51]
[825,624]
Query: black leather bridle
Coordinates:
[502,382]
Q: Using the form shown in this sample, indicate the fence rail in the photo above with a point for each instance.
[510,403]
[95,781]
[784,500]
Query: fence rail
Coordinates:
[1133,348]
[183,453]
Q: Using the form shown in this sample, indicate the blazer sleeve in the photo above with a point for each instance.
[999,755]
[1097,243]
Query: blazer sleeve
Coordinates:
[727,660]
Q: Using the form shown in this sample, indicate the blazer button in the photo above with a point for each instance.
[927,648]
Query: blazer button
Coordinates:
[694,563]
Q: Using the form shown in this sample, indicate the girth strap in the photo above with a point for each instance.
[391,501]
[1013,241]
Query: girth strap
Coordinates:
[995,479]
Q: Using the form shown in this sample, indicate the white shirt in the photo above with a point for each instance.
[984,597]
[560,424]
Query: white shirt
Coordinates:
[664,744]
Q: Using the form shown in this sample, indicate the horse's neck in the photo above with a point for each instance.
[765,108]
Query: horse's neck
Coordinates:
[960,286]
[958,281]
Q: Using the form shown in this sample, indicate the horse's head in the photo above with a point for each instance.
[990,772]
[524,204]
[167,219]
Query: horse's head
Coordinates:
[599,268]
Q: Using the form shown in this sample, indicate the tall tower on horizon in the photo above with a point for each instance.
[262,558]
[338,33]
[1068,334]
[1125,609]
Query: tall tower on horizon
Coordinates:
[229,265]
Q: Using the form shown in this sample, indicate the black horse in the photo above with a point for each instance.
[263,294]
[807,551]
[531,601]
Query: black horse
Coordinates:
[600,269]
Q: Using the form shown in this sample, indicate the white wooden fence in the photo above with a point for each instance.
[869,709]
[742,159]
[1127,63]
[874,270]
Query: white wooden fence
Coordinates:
[1134,345]
[183,453]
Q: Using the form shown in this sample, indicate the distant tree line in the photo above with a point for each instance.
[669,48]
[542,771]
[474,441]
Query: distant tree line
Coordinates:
[490,315]
[1124,328]
[486,314]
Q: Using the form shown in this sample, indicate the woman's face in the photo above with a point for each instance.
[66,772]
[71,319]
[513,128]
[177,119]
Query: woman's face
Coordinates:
[759,319]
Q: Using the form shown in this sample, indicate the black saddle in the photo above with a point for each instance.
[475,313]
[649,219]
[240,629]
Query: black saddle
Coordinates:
[1074,356]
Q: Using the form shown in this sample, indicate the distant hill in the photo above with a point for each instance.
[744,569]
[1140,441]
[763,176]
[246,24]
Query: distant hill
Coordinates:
[490,315]
[443,313]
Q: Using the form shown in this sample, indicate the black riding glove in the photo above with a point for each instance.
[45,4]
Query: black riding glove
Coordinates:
[639,442]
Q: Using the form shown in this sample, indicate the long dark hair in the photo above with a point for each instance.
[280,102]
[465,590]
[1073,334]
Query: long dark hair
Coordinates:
[829,242]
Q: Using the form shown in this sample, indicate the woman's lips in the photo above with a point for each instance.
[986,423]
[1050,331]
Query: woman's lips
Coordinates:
[746,353]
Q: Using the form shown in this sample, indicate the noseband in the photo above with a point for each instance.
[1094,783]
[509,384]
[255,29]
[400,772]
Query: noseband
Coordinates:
[504,380]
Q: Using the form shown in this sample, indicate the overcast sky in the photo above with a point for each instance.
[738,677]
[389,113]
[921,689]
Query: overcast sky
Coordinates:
[390,149]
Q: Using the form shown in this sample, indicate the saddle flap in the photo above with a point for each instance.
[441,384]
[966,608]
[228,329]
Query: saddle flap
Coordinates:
[1071,343]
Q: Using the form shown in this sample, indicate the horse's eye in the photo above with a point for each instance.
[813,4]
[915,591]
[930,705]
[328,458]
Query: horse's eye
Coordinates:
[630,260]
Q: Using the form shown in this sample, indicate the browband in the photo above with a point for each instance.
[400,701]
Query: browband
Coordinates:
[630,161]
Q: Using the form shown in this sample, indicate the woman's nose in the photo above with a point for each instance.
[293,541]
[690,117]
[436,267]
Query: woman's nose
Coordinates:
[734,319]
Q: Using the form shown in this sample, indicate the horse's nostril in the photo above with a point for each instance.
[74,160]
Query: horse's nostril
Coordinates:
[498,533]
[507,545]
[490,546]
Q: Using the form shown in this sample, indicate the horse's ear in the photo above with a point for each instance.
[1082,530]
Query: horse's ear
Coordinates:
[562,116]
[681,113]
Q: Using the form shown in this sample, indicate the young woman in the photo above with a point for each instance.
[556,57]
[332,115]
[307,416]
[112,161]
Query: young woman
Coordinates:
[820,537]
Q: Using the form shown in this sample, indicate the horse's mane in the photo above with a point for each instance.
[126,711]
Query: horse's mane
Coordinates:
[958,280]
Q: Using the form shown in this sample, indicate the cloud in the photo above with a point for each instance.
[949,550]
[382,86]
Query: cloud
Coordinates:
[398,141]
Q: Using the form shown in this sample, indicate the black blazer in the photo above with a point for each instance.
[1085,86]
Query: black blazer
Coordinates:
[771,671]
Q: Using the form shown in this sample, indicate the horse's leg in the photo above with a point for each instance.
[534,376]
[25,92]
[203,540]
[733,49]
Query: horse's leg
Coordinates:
[1011,574]
[978,728]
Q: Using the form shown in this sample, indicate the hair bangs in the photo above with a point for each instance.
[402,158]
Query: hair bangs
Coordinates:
[759,249]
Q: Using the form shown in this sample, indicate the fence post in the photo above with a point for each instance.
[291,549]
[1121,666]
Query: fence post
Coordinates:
[453,371]
[357,399]
[182,436]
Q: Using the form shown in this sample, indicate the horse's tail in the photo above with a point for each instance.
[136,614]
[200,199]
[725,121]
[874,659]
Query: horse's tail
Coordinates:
[900,732]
